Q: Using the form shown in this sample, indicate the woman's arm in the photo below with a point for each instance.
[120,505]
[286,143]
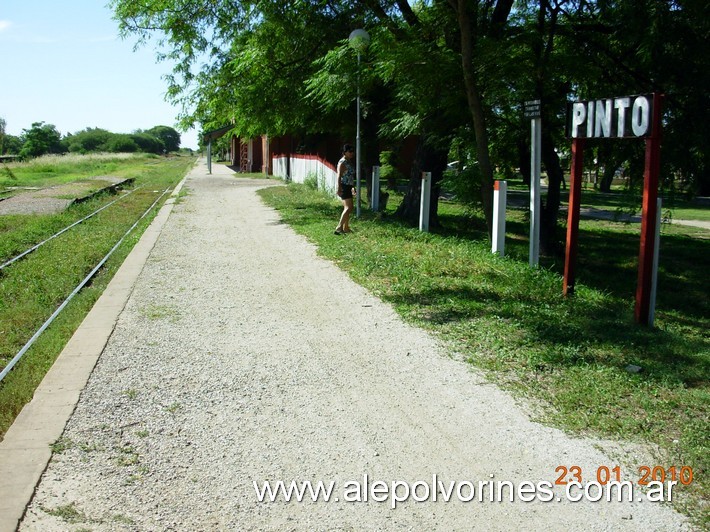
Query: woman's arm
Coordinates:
[340,172]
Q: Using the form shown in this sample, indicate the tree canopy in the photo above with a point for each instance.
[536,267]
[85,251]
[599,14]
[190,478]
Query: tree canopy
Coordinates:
[42,139]
[453,72]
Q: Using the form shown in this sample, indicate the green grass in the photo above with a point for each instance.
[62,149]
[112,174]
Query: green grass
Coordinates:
[566,355]
[50,170]
[32,288]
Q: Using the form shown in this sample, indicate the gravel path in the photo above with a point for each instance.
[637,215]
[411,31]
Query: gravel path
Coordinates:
[241,356]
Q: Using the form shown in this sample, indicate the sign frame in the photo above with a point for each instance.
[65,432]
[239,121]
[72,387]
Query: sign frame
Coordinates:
[643,313]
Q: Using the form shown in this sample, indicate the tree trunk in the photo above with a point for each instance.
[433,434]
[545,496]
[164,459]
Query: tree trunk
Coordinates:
[605,156]
[426,159]
[549,243]
[475,106]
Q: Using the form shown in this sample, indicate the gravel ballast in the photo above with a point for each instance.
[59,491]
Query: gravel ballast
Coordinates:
[241,356]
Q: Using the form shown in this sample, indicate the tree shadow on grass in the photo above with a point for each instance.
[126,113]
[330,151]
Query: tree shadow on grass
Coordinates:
[608,261]
[598,334]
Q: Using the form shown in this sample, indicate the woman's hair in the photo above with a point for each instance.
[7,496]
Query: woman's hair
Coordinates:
[348,147]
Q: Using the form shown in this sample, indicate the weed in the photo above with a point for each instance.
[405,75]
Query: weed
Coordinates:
[62,444]
[173,407]
[8,172]
[67,513]
[127,456]
[159,312]
[122,519]
[130,393]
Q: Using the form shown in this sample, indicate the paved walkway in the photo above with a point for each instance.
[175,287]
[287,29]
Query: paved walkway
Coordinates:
[225,354]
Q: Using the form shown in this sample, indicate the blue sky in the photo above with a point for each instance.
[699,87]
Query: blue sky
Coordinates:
[63,63]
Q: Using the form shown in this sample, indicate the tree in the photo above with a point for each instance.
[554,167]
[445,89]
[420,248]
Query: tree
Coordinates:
[12,145]
[481,25]
[410,87]
[40,139]
[87,140]
[122,143]
[167,135]
[148,143]
[636,46]
[258,56]
[280,67]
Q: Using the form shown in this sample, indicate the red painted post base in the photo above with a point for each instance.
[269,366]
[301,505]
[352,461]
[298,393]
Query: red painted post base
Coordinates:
[575,198]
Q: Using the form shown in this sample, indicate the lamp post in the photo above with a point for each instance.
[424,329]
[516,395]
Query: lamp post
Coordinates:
[359,39]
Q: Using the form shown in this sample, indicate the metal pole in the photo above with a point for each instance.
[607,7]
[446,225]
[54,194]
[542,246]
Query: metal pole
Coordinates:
[209,156]
[535,157]
[375,188]
[357,140]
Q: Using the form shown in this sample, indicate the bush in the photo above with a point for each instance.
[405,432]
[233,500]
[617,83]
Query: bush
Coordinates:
[40,139]
[465,184]
[169,137]
[88,140]
[311,181]
[121,143]
[148,143]
[388,169]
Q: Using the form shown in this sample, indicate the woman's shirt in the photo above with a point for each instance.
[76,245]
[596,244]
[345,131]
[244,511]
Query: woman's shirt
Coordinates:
[348,177]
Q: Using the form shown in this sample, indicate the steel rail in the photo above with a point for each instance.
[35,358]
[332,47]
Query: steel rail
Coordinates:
[34,248]
[76,290]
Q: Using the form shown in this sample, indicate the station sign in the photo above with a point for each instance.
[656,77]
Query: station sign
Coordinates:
[532,109]
[623,117]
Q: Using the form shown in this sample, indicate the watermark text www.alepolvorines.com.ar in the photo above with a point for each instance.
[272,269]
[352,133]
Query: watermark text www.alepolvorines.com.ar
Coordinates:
[466,491]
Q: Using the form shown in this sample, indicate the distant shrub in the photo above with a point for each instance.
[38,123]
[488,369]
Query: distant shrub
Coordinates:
[148,143]
[121,143]
[88,140]
[167,135]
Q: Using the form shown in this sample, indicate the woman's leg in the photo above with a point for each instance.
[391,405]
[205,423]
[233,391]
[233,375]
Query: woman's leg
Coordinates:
[344,224]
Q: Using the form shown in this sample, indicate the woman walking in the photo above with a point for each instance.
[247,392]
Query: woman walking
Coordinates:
[346,190]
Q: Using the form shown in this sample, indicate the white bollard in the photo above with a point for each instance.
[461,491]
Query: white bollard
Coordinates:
[425,201]
[654,271]
[500,193]
[375,188]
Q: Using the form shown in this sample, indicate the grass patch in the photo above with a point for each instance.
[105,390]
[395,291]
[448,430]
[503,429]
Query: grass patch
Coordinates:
[568,355]
[67,513]
[31,289]
[159,312]
[50,170]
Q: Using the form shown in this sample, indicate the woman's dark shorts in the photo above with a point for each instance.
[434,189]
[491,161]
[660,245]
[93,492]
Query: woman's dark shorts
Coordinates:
[346,192]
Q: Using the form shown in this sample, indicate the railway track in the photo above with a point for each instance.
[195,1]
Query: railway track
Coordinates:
[18,356]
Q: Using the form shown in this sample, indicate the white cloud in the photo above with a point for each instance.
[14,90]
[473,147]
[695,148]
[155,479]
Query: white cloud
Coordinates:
[4,24]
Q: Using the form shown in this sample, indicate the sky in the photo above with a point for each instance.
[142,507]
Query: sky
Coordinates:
[63,63]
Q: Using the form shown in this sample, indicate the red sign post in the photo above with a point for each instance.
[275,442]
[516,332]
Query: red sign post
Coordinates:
[652,170]
[575,198]
[629,116]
